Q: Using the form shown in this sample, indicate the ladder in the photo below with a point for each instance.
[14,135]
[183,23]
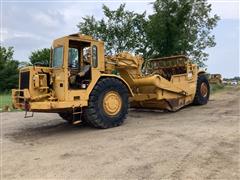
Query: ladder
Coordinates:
[76,111]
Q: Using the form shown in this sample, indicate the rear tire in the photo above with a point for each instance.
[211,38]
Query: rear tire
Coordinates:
[202,91]
[108,104]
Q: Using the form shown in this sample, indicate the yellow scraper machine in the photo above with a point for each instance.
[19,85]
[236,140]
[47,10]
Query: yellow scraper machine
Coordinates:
[82,83]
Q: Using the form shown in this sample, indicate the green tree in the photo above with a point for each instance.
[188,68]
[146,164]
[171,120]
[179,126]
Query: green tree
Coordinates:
[181,27]
[120,29]
[8,69]
[41,56]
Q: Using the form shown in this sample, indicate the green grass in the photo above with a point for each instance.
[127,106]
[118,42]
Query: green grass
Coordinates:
[5,100]
[216,87]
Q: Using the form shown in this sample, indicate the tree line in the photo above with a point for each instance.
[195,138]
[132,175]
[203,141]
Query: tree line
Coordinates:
[175,27]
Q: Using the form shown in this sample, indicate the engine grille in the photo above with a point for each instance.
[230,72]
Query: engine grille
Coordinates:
[24,80]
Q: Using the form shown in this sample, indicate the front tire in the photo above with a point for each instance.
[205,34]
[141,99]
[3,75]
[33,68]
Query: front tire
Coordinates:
[202,91]
[108,104]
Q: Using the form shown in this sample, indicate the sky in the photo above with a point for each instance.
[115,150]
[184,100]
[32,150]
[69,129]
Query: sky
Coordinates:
[28,25]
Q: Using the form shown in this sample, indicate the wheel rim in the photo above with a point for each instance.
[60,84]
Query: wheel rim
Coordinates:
[112,103]
[204,89]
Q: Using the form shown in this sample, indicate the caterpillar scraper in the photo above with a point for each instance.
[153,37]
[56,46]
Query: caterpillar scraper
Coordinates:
[82,84]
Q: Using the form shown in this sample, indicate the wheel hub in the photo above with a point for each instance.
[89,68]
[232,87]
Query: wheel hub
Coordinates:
[112,103]
[204,89]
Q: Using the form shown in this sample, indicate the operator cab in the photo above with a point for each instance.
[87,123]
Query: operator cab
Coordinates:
[79,64]
[79,58]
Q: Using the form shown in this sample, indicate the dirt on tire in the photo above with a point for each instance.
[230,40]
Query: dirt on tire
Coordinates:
[197,142]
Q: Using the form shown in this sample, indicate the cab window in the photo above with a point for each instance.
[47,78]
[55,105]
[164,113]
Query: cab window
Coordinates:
[94,56]
[73,58]
[58,57]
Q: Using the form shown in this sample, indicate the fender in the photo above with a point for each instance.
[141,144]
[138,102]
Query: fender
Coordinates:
[201,71]
[119,78]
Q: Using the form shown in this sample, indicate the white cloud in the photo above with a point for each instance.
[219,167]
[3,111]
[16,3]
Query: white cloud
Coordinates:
[4,34]
[226,9]
[49,19]
[8,34]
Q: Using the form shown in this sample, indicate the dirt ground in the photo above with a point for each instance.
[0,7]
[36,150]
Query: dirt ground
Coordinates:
[197,142]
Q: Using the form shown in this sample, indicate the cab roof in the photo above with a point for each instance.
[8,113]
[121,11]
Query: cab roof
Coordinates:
[78,36]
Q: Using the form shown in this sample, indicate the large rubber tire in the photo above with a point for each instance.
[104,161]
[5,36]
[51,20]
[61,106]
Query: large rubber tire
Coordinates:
[96,114]
[202,96]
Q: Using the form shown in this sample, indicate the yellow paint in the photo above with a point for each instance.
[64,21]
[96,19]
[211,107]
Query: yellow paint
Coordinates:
[49,88]
[112,103]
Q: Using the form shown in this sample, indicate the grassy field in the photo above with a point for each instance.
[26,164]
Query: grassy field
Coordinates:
[5,99]
[216,87]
